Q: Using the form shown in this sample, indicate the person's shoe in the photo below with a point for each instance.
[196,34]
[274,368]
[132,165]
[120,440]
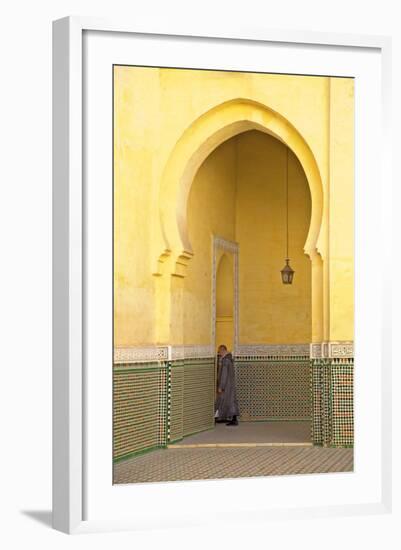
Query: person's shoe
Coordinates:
[233,422]
[220,420]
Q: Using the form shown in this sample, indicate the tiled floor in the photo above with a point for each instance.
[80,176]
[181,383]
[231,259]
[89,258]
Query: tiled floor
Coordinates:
[175,464]
[253,433]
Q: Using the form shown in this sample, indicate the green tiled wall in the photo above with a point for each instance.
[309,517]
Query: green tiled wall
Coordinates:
[155,403]
[199,395]
[333,398]
[272,388]
[139,408]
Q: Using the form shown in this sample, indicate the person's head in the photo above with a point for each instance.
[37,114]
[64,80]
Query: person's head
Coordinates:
[222,350]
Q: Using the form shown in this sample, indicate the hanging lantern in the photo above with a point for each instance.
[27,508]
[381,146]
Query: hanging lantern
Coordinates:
[287,273]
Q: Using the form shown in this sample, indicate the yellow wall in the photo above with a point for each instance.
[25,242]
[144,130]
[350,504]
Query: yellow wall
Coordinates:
[211,211]
[341,225]
[153,109]
[134,304]
[271,312]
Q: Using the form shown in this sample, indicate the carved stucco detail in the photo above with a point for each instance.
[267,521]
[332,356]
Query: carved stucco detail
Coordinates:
[276,350]
[329,350]
[147,354]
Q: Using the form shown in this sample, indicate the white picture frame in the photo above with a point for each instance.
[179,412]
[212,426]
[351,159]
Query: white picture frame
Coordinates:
[70,257]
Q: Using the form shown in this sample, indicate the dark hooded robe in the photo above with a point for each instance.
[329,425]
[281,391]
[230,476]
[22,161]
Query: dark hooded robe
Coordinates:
[226,402]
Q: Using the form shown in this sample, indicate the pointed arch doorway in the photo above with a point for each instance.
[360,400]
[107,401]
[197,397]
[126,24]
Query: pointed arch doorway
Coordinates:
[212,135]
[237,190]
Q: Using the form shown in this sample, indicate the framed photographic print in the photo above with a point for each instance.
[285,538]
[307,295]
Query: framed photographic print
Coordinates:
[218,305]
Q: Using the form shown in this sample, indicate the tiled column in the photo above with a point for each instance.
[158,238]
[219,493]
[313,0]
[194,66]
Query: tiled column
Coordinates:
[332,368]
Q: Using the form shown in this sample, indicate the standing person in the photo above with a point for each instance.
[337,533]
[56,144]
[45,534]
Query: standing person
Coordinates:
[226,401]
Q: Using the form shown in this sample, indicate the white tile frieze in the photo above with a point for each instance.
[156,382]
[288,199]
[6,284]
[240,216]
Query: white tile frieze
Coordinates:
[277,350]
[191,352]
[330,350]
[140,354]
[341,349]
[143,354]
[148,354]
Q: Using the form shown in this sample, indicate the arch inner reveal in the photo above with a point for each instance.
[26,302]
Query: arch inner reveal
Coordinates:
[239,194]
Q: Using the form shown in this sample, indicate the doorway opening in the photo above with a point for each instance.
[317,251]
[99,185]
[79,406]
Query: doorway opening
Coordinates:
[238,198]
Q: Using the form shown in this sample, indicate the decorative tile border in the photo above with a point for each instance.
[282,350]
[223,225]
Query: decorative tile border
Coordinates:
[337,349]
[140,354]
[341,349]
[274,350]
[224,244]
[149,354]
[318,350]
[191,352]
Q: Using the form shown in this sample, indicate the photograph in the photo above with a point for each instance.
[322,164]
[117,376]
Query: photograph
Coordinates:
[200,230]
[233,274]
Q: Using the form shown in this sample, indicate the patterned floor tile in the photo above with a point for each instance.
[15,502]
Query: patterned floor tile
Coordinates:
[218,463]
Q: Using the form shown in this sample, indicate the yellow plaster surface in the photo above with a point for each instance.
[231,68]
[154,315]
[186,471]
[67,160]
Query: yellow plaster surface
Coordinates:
[270,311]
[176,183]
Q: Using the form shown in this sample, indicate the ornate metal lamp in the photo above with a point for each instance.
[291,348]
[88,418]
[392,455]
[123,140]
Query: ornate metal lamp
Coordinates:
[287,273]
